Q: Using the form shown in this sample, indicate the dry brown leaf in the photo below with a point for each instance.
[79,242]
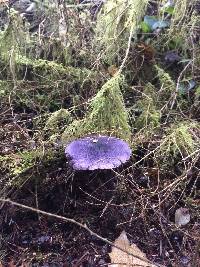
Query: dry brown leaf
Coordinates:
[122,259]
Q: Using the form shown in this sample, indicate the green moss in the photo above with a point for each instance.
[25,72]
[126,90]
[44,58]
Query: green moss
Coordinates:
[107,110]
[19,163]
[57,121]
[45,85]
[179,142]
[44,70]
[22,165]
[77,129]
[182,20]
[114,24]
[4,88]
[166,82]
[14,37]
[14,40]
[24,161]
[150,115]
[197,93]
[106,115]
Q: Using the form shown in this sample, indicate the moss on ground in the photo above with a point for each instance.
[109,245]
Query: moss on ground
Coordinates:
[179,142]
[57,121]
[26,165]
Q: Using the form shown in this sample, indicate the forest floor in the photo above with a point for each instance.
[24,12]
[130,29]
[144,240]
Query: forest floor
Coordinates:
[140,198]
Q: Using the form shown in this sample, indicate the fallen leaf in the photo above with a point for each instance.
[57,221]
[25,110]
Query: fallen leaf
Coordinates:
[122,259]
[182,216]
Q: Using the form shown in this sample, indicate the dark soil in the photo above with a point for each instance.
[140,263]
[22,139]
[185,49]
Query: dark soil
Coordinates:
[107,203]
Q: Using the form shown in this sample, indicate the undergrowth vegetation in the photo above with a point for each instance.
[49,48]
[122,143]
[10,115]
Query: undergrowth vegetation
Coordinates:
[122,68]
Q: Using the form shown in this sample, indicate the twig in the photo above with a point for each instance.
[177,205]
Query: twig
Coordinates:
[189,156]
[178,84]
[127,50]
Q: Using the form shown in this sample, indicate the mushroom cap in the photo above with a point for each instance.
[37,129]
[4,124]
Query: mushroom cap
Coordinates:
[97,152]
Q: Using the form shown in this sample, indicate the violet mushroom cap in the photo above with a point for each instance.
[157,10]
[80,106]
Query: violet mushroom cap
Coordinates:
[97,152]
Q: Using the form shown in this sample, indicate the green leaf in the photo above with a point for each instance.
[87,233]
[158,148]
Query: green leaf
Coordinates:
[169,10]
[145,27]
[197,93]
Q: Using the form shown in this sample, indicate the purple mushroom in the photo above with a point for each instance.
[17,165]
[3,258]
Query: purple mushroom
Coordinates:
[97,152]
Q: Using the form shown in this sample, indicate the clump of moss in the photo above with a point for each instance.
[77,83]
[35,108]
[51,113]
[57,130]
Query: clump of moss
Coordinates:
[108,111]
[184,21]
[107,114]
[76,129]
[150,115]
[4,88]
[166,83]
[182,17]
[42,78]
[57,121]
[19,165]
[14,37]
[14,166]
[13,41]
[179,142]
[44,70]
[23,161]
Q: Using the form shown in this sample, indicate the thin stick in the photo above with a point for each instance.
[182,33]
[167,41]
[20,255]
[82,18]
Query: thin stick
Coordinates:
[127,50]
